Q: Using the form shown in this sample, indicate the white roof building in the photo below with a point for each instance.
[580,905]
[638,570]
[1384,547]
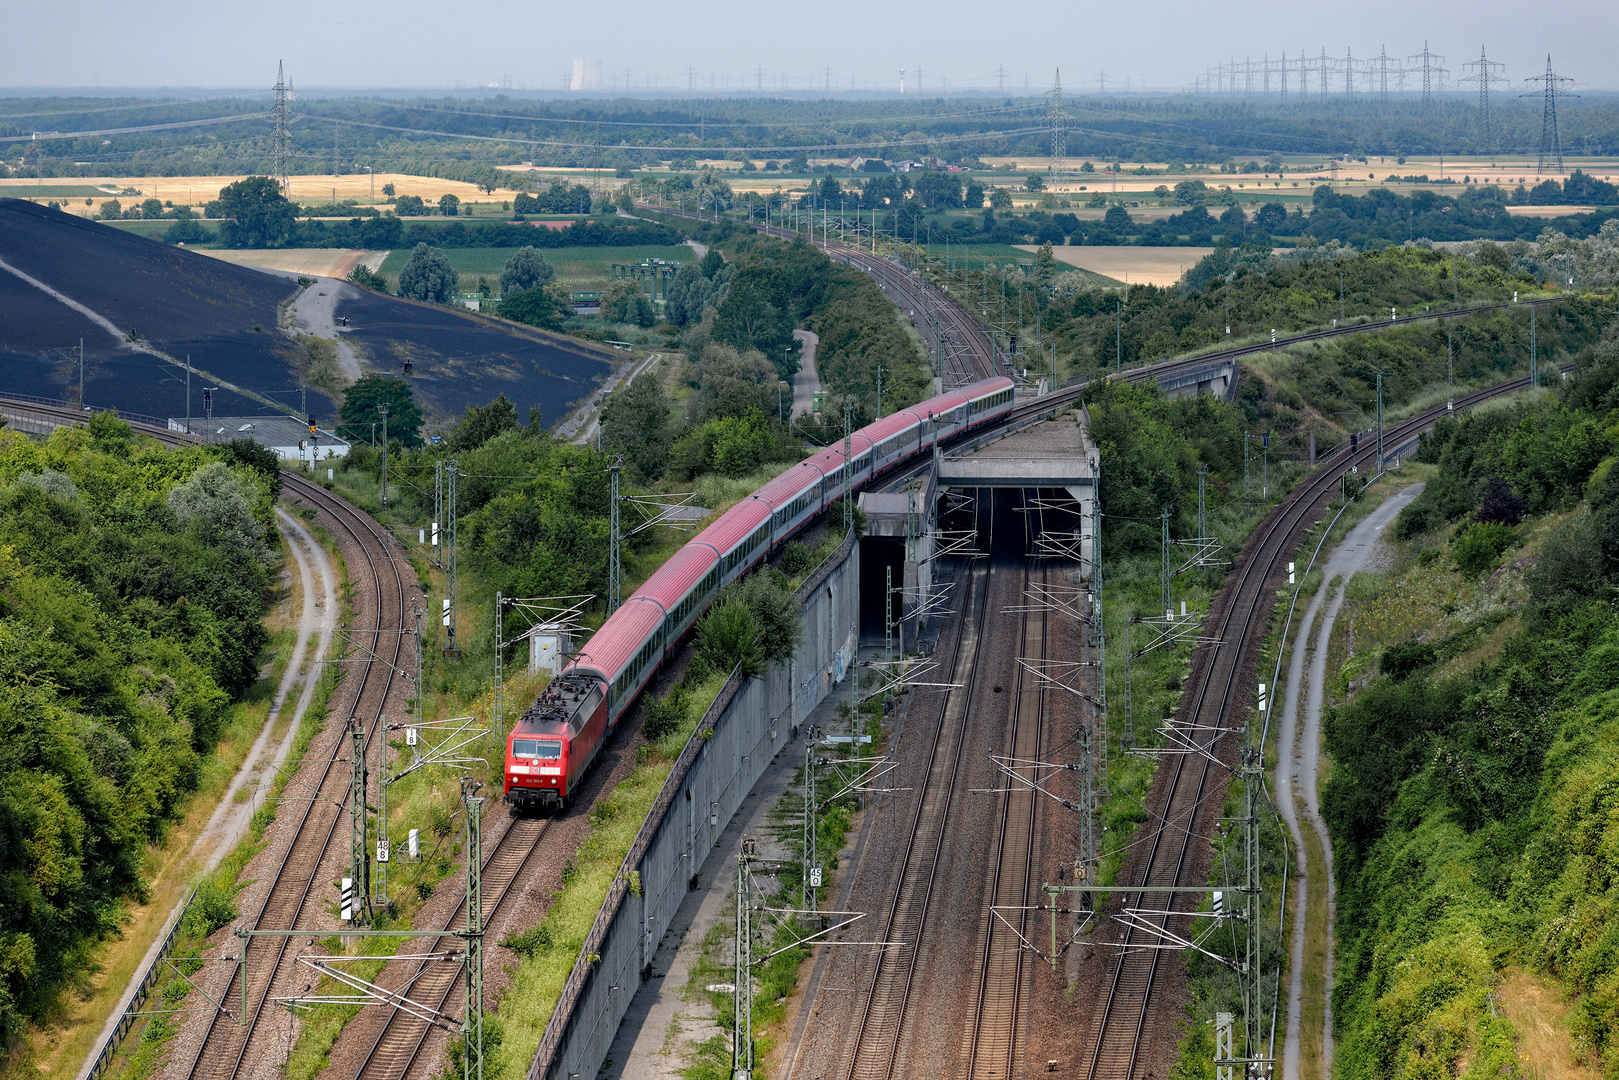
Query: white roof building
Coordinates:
[285,435]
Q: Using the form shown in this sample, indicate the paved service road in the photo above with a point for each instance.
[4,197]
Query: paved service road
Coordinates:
[808,381]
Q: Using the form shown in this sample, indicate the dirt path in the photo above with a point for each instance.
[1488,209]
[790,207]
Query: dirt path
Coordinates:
[231,816]
[315,312]
[807,383]
[580,427]
[1298,760]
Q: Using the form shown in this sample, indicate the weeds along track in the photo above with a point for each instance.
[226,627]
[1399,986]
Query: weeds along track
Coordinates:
[432,982]
[997,1011]
[229,1043]
[1186,803]
[883,1014]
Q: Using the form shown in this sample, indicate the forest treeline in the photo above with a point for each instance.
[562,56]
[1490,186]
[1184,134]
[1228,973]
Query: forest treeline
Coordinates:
[1473,805]
[133,579]
[460,138]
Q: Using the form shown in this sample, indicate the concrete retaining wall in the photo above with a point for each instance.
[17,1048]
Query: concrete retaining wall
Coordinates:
[750,721]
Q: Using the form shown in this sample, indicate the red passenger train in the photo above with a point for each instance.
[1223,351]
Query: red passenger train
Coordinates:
[556,740]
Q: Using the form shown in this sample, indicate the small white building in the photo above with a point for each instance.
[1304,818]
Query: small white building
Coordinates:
[289,438]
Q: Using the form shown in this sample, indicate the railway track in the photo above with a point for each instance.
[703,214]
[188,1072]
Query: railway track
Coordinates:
[882,1024]
[400,1042]
[998,1010]
[917,292]
[228,1043]
[1219,690]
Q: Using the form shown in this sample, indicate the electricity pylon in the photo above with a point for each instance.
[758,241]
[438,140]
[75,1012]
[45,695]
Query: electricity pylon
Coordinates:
[1484,72]
[1551,146]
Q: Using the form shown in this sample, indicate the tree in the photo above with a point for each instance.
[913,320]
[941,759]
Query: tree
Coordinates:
[257,215]
[388,191]
[1045,266]
[1117,220]
[938,190]
[479,425]
[755,316]
[538,306]
[711,263]
[730,383]
[713,193]
[1270,217]
[367,278]
[219,508]
[449,205]
[974,199]
[359,410]
[111,210]
[635,423]
[152,208]
[728,637]
[1034,182]
[1191,192]
[428,276]
[409,206]
[524,270]
[623,302]
[1000,199]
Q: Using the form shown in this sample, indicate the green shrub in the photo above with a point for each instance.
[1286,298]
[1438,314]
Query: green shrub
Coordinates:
[1478,547]
[797,559]
[663,716]
[530,942]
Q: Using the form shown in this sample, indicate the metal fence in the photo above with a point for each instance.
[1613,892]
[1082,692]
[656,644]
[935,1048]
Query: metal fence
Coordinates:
[115,1038]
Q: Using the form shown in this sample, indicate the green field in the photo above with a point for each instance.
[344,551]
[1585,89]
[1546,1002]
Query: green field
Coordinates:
[579,269]
[151,228]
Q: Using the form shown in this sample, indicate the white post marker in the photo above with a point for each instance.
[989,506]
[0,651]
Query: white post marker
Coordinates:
[348,899]
[1290,580]
[414,845]
[1261,697]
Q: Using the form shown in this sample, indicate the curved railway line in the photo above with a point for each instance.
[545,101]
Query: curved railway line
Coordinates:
[1219,686]
[226,1044]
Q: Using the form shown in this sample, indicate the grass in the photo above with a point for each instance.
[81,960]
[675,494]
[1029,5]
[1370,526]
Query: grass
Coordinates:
[578,269]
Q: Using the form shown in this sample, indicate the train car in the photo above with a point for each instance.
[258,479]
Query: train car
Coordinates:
[740,537]
[684,587]
[555,742]
[624,653]
[794,498]
[830,464]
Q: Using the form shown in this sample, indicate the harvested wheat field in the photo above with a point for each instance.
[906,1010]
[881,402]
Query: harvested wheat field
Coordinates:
[1132,265]
[323,262]
[197,190]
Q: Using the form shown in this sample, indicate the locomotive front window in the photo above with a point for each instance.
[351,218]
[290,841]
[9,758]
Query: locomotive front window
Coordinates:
[536,748]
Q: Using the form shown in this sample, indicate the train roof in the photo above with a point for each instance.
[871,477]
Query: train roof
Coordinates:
[888,426]
[830,459]
[610,649]
[790,485]
[675,578]
[734,525]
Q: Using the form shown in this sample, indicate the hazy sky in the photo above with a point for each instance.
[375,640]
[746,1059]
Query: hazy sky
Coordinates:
[415,43]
